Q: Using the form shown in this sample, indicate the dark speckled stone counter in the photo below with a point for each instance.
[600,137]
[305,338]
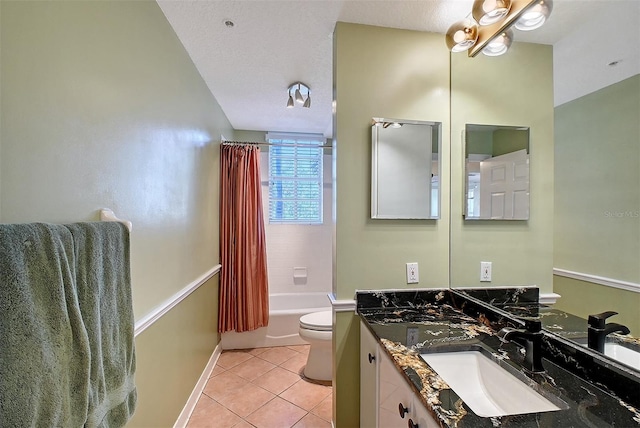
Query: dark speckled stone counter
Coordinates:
[447,321]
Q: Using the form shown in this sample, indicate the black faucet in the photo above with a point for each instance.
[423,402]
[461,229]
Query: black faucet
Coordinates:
[530,338]
[598,330]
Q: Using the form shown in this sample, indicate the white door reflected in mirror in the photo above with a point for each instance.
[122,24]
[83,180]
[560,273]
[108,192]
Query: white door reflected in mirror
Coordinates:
[497,164]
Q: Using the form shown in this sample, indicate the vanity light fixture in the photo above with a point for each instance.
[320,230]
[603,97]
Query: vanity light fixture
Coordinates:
[300,90]
[487,28]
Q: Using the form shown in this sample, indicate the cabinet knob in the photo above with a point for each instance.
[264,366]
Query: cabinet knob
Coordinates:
[371,358]
[403,410]
[411,424]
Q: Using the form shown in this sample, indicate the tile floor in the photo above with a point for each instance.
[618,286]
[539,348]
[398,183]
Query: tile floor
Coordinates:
[263,388]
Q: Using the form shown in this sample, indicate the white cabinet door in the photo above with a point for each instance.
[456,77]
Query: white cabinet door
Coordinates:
[395,395]
[384,391]
[421,417]
[368,378]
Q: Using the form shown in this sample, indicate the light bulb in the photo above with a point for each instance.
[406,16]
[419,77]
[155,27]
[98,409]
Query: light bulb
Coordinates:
[499,44]
[535,16]
[299,98]
[462,35]
[487,12]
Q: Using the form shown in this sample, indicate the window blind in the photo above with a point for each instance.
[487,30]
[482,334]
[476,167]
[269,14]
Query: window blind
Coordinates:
[295,179]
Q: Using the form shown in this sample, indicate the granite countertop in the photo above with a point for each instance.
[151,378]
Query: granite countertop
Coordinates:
[446,321]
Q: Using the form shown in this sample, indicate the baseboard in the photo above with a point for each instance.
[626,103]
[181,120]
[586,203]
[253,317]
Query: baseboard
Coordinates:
[182,420]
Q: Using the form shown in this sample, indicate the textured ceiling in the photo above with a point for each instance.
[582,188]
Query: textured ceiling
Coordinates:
[249,67]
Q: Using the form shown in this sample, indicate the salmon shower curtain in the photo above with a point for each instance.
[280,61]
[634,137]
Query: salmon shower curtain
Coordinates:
[244,294]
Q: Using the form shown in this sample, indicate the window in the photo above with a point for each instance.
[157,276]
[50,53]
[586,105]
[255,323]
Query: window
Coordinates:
[295,178]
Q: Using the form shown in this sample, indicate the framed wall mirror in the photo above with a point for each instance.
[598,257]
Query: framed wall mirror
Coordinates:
[405,169]
[497,172]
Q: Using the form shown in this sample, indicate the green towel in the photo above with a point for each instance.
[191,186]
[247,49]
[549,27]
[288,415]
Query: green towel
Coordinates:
[104,294]
[66,326]
[44,349]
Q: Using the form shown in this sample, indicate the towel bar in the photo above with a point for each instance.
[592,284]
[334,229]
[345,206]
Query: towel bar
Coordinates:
[107,215]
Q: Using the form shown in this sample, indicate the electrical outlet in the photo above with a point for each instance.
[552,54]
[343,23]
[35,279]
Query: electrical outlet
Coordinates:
[485,271]
[412,336]
[412,273]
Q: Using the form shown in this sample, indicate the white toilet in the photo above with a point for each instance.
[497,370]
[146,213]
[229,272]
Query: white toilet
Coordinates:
[315,328]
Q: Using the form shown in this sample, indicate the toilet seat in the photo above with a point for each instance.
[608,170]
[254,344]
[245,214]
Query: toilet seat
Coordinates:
[317,321]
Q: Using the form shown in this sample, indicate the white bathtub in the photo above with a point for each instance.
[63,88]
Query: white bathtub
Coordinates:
[285,310]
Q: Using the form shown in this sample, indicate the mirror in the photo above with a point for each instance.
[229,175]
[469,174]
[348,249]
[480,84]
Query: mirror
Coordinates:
[522,303]
[405,165]
[497,171]
[585,172]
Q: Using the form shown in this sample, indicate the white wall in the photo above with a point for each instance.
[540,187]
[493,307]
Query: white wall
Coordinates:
[295,245]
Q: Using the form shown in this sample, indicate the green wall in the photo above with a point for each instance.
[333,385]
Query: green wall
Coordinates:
[381,72]
[509,141]
[171,355]
[499,91]
[406,76]
[496,143]
[101,106]
[584,298]
[597,177]
[597,215]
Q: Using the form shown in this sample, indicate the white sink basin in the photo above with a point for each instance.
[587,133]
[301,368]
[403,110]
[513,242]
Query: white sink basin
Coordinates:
[488,389]
[620,353]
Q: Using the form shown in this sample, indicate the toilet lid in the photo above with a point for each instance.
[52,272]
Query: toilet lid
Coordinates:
[319,321]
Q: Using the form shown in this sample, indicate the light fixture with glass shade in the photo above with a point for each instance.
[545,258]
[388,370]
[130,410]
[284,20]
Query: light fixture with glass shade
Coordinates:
[462,35]
[487,28]
[487,12]
[307,102]
[300,90]
[535,16]
[290,101]
[499,44]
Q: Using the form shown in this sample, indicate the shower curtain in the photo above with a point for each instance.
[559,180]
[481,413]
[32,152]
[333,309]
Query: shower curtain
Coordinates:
[244,293]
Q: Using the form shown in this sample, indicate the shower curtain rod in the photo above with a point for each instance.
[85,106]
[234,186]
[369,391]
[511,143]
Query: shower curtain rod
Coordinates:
[255,143]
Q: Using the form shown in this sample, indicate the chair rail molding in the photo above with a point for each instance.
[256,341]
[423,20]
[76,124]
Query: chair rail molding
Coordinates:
[609,282]
[146,321]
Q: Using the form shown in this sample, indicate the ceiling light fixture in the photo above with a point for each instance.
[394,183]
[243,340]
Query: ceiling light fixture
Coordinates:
[487,29]
[300,90]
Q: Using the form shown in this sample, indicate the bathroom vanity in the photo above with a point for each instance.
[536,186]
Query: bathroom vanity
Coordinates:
[433,358]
